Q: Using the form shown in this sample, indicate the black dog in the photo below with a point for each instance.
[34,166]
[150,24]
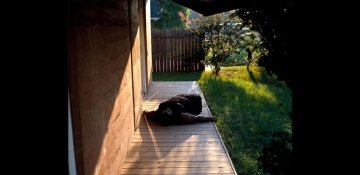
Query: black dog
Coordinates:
[181,109]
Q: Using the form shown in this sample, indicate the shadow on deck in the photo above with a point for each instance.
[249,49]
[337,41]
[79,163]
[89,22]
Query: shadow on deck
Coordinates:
[179,149]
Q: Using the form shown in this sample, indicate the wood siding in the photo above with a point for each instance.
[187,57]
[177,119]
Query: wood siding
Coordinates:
[104,81]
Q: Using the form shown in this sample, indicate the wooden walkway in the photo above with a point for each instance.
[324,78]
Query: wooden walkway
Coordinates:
[180,149]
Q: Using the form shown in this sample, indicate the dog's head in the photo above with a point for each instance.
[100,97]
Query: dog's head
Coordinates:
[169,111]
[166,116]
[166,113]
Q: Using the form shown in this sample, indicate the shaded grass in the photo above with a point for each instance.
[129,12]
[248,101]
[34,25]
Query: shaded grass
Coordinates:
[250,107]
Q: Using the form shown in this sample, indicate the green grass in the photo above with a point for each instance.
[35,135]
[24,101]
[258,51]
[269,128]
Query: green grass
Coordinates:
[250,106]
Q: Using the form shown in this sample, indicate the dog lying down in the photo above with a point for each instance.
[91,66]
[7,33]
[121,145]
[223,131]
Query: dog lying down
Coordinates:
[181,109]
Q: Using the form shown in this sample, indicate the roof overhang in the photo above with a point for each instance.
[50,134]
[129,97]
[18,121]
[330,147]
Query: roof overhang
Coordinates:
[210,7]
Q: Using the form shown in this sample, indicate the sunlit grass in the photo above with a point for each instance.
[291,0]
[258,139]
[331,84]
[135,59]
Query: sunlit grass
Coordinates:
[250,106]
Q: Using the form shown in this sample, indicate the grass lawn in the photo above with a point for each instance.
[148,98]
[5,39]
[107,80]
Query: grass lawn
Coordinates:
[250,107]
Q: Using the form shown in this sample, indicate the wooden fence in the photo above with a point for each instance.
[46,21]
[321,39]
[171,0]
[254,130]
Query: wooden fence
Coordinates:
[176,50]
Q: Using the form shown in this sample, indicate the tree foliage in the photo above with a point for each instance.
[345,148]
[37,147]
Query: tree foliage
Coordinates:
[223,36]
[251,42]
[219,39]
[169,15]
[274,22]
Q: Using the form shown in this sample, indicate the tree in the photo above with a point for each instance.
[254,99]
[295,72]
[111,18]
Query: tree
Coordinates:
[169,17]
[252,44]
[274,22]
[220,37]
[224,34]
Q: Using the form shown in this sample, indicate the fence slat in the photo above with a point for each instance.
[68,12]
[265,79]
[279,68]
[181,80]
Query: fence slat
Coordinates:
[175,50]
[154,47]
[168,56]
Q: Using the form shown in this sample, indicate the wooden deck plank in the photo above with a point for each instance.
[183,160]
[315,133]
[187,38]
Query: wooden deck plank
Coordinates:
[150,125]
[146,165]
[176,153]
[178,127]
[182,136]
[177,170]
[177,159]
[156,132]
[185,144]
[143,129]
[179,149]
[174,140]
[172,148]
